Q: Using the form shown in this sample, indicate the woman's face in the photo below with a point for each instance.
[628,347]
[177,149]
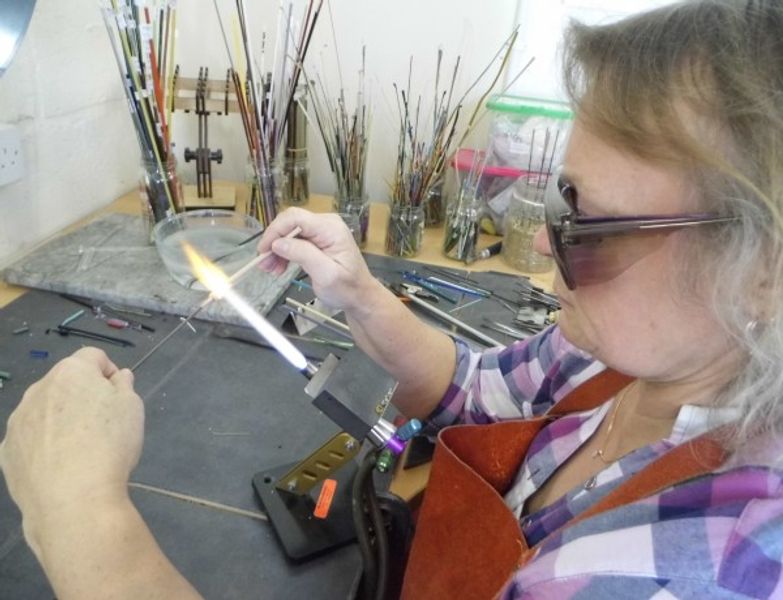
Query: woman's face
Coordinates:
[642,322]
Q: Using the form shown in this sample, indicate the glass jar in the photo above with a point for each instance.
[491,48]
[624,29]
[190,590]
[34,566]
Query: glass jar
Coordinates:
[434,205]
[351,221]
[463,225]
[405,231]
[280,184]
[160,191]
[296,188]
[272,182]
[297,166]
[524,218]
[354,204]
[253,201]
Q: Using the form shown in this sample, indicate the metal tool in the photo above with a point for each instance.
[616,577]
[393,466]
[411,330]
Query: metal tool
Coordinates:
[535,318]
[487,252]
[465,279]
[293,312]
[454,321]
[530,293]
[65,330]
[506,329]
[102,310]
[465,289]
[317,315]
[418,291]
[430,286]
[322,341]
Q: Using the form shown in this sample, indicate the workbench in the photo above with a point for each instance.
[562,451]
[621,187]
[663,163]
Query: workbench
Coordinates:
[217,411]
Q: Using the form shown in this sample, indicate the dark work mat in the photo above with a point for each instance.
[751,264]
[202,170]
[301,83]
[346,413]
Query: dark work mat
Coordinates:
[225,556]
[217,411]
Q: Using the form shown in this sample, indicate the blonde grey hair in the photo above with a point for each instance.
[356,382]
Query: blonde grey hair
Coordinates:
[699,85]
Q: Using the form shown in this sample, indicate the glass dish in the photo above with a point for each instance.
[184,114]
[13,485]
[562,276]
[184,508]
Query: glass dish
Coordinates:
[226,238]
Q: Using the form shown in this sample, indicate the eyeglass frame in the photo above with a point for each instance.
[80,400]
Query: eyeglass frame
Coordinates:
[568,227]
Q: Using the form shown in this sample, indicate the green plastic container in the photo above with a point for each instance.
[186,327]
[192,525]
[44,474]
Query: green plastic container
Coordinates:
[528,135]
[523,107]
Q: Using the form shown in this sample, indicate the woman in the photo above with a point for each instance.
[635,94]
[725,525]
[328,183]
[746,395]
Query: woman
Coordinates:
[679,116]
[680,126]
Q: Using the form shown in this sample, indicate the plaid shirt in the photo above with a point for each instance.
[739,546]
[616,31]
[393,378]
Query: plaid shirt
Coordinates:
[719,536]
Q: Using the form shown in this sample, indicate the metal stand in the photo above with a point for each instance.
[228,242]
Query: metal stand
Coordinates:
[204,96]
[291,514]
[289,494]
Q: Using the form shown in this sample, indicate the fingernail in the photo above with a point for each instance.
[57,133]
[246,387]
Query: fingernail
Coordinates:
[268,264]
[280,245]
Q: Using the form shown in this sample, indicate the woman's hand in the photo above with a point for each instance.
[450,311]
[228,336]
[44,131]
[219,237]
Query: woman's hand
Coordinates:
[419,357]
[74,439]
[326,250]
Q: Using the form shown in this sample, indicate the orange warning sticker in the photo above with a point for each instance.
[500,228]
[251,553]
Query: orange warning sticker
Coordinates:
[325,499]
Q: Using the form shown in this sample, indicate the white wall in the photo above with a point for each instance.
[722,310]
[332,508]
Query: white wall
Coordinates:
[63,90]
[541,24]
[392,32]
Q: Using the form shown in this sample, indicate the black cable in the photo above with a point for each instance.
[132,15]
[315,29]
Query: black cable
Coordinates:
[381,542]
[369,560]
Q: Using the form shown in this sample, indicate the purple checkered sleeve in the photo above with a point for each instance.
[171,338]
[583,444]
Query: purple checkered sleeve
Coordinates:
[519,381]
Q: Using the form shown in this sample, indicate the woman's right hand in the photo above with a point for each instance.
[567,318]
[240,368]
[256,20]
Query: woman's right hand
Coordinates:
[73,440]
[326,250]
[419,357]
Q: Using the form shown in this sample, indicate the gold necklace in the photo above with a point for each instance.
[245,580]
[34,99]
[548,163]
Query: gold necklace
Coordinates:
[601,452]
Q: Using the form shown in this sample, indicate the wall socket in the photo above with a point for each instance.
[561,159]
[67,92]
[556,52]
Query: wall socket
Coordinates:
[11,157]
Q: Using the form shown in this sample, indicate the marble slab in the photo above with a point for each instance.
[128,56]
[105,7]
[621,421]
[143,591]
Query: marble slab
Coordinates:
[110,260]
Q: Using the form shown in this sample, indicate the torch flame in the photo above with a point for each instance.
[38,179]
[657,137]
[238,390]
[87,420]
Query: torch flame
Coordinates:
[220,285]
[207,273]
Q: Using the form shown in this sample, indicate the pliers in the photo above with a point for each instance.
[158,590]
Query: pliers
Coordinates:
[418,291]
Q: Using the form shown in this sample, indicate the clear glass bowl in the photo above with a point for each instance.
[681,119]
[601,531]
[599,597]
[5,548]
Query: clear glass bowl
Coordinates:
[216,234]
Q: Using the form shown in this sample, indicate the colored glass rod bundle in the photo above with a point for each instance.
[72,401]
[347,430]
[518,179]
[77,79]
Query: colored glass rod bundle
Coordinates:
[142,39]
[345,133]
[462,223]
[265,98]
[422,152]
[426,140]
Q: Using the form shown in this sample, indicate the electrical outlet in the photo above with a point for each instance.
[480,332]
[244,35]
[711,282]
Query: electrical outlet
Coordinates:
[11,157]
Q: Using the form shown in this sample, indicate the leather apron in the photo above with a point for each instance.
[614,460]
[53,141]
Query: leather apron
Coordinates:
[468,543]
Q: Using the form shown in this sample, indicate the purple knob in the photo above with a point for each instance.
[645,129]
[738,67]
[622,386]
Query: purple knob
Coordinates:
[396,445]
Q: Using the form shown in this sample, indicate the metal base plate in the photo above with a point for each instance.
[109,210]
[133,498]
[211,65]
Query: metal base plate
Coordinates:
[223,196]
[302,535]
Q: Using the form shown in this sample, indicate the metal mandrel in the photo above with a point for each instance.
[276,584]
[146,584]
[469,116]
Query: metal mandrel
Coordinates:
[91,335]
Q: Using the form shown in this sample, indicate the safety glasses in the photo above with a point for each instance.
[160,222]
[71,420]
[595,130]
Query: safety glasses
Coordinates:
[590,250]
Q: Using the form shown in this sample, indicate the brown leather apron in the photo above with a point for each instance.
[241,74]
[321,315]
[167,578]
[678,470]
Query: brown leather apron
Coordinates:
[468,543]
